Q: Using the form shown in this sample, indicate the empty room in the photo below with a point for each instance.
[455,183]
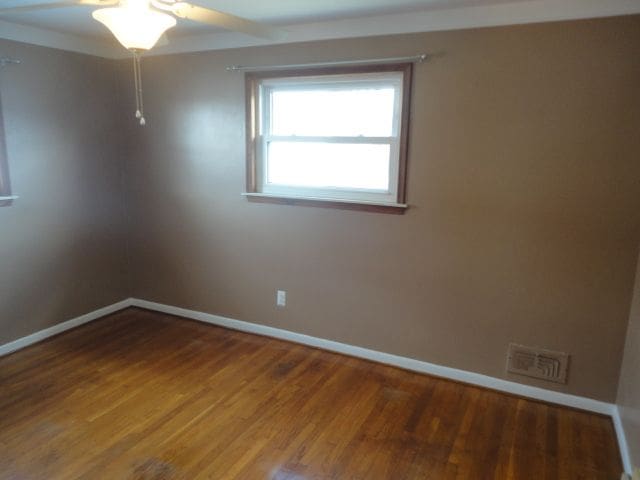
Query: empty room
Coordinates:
[309,240]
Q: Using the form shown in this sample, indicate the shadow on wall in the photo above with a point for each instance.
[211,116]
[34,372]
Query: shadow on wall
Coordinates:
[55,283]
[62,248]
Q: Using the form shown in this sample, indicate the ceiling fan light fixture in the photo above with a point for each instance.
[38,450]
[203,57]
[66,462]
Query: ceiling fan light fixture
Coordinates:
[135,27]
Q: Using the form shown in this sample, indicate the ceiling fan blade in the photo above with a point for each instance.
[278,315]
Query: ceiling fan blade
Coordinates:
[226,21]
[50,6]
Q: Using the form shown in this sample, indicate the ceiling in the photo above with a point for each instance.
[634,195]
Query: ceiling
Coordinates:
[304,19]
[78,21]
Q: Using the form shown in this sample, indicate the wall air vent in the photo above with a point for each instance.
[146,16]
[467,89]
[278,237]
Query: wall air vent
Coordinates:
[538,363]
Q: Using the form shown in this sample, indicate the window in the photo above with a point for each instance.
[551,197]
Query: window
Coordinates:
[5,187]
[329,136]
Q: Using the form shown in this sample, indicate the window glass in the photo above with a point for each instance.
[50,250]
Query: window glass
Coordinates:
[345,112]
[329,165]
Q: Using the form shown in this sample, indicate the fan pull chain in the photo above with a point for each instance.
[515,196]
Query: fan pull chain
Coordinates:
[137,73]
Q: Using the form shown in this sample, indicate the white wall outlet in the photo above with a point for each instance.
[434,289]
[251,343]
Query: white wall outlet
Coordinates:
[281,298]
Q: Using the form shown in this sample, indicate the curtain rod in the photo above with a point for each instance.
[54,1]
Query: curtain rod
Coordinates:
[372,61]
[4,61]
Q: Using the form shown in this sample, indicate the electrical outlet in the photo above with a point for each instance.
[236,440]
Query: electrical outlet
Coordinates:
[281,298]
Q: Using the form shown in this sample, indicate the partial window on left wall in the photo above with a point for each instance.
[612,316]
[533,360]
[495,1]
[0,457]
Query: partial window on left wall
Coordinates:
[5,184]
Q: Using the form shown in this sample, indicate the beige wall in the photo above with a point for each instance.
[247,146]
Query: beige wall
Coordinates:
[62,243]
[524,183]
[629,388]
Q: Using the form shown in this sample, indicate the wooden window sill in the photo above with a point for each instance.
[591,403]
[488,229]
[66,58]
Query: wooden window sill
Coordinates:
[7,200]
[379,207]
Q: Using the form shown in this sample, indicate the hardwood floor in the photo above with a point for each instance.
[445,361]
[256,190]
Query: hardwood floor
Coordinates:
[140,395]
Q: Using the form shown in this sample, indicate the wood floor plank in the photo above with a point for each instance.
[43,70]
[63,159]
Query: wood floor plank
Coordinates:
[141,395]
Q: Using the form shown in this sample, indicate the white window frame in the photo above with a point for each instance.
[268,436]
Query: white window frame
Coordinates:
[260,88]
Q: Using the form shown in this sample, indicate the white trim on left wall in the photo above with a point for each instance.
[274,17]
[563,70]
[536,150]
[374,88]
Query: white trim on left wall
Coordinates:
[61,327]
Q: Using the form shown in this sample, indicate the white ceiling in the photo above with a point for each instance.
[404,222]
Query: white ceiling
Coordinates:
[304,19]
[78,21]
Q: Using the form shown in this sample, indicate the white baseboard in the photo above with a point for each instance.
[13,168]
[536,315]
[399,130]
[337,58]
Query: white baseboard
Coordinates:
[389,359]
[622,440]
[61,327]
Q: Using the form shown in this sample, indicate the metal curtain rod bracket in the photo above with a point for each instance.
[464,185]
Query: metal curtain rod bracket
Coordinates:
[4,61]
[371,61]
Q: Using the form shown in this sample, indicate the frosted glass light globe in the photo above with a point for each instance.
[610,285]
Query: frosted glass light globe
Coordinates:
[135,25]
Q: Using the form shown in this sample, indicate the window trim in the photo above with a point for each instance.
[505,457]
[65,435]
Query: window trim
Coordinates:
[6,196]
[253,81]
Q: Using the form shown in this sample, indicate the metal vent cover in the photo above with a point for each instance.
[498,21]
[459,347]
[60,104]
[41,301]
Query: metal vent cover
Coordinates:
[538,363]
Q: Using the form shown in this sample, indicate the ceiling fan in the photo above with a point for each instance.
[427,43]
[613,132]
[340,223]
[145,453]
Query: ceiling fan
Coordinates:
[139,24]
